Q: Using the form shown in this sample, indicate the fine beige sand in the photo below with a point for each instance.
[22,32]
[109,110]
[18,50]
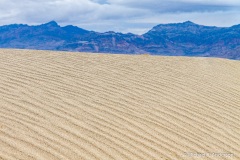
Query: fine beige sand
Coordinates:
[73,106]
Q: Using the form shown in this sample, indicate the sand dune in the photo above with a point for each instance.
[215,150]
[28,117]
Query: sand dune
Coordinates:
[59,105]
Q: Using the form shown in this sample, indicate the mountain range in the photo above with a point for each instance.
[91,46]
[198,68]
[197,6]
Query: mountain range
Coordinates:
[175,39]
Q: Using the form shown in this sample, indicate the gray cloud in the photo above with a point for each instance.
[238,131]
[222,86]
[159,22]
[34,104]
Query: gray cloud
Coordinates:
[120,15]
[101,1]
[178,5]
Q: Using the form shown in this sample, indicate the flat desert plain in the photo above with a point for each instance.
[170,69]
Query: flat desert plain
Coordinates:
[74,106]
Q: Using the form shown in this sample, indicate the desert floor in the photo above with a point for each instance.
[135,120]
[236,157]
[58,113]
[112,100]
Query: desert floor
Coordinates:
[73,106]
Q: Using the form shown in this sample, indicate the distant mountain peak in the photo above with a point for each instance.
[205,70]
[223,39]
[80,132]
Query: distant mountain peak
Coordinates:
[189,23]
[186,26]
[51,24]
[186,23]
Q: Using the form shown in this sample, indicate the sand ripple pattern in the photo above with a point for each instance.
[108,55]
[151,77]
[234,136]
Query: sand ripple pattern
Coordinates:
[78,106]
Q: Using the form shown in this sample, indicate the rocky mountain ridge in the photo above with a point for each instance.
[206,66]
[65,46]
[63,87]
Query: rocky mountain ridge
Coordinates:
[175,39]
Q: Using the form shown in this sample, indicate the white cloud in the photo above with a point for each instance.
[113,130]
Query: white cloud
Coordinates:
[120,15]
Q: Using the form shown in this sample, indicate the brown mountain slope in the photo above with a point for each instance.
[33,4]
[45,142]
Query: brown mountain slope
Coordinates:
[59,105]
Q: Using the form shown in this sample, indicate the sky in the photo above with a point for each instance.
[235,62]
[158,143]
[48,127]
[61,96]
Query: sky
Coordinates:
[135,16]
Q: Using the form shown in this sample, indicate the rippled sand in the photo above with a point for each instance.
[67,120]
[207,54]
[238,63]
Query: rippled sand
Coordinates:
[60,105]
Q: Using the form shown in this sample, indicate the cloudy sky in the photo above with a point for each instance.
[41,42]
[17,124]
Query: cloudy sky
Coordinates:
[136,16]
